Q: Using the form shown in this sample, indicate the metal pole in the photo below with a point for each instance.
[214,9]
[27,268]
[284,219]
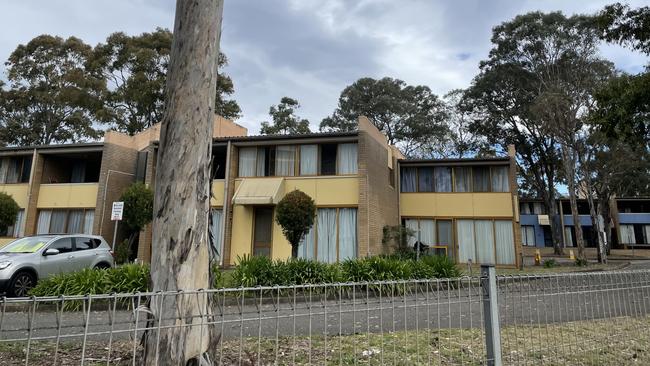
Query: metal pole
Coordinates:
[491,315]
[114,235]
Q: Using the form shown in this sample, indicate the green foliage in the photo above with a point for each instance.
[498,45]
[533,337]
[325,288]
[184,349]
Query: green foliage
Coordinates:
[285,120]
[443,266]
[396,236]
[409,116]
[123,279]
[581,262]
[254,271]
[135,68]
[51,95]
[122,252]
[623,25]
[138,206]
[8,211]
[295,214]
[550,263]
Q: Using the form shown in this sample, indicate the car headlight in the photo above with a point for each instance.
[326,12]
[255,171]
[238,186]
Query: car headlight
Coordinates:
[4,264]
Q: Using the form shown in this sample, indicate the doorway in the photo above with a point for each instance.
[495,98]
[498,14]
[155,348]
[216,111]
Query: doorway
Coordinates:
[263,232]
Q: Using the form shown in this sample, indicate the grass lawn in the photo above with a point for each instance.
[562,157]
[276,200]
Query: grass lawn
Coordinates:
[620,341]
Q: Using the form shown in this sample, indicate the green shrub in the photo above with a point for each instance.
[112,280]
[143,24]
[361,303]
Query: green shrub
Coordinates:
[442,266]
[581,262]
[122,252]
[550,263]
[254,271]
[301,271]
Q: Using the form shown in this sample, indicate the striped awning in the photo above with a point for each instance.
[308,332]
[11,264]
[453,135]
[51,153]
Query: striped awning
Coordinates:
[259,191]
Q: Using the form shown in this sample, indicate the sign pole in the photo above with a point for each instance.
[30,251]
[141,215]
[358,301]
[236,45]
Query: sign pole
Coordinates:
[116,215]
[114,235]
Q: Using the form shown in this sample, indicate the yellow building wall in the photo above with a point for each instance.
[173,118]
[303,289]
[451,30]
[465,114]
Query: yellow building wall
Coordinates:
[456,205]
[68,195]
[326,191]
[19,192]
[218,186]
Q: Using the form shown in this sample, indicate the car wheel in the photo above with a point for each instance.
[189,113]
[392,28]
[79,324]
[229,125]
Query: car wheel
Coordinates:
[21,284]
[102,266]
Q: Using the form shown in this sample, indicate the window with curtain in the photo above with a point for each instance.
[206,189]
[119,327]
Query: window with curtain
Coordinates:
[308,159]
[568,236]
[442,178]
[89,219]
[57,222]
[427,232]
[17,229]
[408,179]
[247,157]
[481,177]
[285,161]
[43,224]
[425,179]
[4,168]
[646,234]
[412,224]
[462,179]
[75,222]
[500,179]
[627,234]
[505,243]
[13,170]
[347,159]
[216,231]
[347,233]
[328,159]
[484,241]
[78,174]
[307,246]
[445,236]
[326,235]
[466,244]
[528,235]
[261,168]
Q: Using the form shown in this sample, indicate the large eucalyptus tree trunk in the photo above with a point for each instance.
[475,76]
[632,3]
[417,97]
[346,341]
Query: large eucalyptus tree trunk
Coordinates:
[180,243]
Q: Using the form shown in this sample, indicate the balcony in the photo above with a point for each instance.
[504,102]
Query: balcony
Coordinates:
[19,192]
[68,195]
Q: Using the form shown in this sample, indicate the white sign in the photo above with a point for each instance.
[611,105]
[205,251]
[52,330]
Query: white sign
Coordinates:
[118,209]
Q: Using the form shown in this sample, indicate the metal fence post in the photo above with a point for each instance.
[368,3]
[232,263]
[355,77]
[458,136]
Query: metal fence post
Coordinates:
[491,315]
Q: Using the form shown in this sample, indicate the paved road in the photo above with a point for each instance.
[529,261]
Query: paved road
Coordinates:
[533,300]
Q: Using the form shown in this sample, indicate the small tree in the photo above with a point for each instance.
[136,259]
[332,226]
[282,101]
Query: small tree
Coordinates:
[295,214]
[8,211]
[138,209]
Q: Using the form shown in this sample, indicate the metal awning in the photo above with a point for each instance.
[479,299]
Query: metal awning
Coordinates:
[259,191]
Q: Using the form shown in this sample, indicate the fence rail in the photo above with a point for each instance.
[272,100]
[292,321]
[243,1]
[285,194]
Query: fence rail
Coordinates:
[579,318]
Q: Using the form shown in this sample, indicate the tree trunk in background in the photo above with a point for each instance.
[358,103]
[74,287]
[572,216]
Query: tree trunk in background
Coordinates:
[556,232]
[569,167]
[180,243]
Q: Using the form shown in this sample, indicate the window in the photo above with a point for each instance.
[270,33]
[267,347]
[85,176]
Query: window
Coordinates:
[462,179]
[524,207]
[646,234]
[308,159]
[247,159]
[328,159]
[425,180]
[285,161]
[347,159]
[216,230]
[15,169]
[481,177]
[64,245]
[17,230]
[86,243]
[500,179]
[408,180]
[568,236]
[528,235]
[486,241]
[442,178]
[65,221]
[436,234]
[333,237]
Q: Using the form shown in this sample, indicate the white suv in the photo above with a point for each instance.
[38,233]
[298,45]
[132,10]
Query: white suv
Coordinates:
[26,260]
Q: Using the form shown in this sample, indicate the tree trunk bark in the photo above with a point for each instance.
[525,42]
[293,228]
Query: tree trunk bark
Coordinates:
[569,168]
[180,243]
[294,251]
[558,249]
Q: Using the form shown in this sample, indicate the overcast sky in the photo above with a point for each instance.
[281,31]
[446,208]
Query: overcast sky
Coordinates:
[311,49]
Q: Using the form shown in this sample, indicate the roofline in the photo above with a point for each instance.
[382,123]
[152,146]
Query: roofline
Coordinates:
[459,161]
[84,146]
[290,137]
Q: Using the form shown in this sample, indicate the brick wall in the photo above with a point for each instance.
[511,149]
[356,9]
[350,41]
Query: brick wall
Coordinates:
[31,214]
[378,201]
[227,203]
[144,244]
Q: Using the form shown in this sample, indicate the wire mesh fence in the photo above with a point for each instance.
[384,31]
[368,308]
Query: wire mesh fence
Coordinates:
[581,318]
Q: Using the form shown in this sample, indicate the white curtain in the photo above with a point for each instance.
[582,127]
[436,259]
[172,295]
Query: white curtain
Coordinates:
[216,232]
[428,232]
[247,161]
[260,167]
[347,233]
[528,235]
[466,246]
[89,219]
[75,220]
[481,177]
[306,248]
[347,159]
[425,180]
[569,238]
[442,178]
[285,160]
[13,171]
[4,167]
[413,225]
[407,180]
[500,179]
[57,222]
[326,235]
[19,225]
[484,241]
[308,159]
[78,172]
[505,242]
[627,234]
[646,233]
[43,225]
[462,182]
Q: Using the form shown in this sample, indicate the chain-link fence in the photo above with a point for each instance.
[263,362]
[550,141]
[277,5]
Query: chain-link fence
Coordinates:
[572,319]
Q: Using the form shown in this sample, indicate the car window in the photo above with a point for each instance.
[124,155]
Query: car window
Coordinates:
[64,245]
[82,243]
[26,245]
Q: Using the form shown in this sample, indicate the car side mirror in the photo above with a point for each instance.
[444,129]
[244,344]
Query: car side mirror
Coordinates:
[51,251]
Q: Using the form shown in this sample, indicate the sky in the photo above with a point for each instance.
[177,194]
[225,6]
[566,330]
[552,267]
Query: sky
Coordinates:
[311,49]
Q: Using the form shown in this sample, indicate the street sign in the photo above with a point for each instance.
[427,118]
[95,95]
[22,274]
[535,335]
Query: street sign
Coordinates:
[118,210]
